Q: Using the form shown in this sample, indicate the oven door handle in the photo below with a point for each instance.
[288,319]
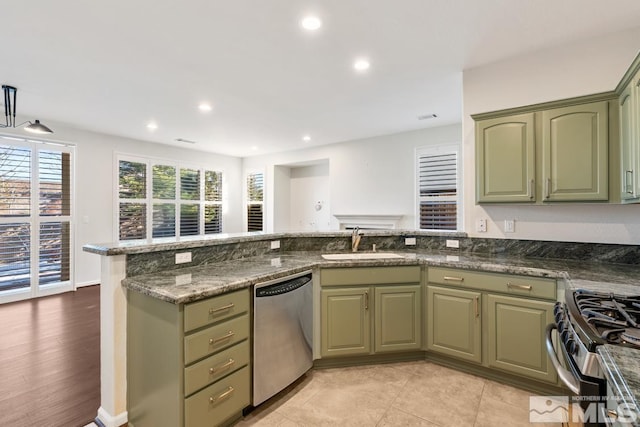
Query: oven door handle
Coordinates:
[566,376]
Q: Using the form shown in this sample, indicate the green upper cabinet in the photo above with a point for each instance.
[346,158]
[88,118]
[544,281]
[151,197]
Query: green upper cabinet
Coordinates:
[553,152]
[575,146]
[505,159]
[629,102]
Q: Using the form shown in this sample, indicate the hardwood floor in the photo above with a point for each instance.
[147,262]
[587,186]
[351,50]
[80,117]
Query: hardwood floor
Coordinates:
[50,360]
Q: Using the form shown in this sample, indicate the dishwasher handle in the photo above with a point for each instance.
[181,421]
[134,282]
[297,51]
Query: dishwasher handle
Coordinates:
[283,287]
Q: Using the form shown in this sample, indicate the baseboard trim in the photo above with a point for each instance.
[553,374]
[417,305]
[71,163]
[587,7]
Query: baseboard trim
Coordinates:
[84,284]
[104,419]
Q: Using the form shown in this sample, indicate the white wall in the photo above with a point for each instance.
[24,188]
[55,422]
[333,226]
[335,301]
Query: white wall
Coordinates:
[95,181]
[368,176]
[310,187]
[587,67]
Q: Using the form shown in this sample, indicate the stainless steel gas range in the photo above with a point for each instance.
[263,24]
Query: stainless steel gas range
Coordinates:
[586,320]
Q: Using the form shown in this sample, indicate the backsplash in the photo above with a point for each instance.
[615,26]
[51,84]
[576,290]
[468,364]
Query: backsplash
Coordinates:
[149,262]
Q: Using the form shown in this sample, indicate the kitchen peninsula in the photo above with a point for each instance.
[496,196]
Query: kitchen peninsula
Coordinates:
[228,263]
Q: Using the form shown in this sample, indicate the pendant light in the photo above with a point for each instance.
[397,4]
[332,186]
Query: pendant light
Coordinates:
[10,114]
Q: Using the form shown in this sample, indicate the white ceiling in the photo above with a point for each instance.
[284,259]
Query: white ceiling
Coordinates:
[113,66]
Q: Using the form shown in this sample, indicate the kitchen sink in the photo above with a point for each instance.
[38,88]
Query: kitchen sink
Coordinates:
[361,255]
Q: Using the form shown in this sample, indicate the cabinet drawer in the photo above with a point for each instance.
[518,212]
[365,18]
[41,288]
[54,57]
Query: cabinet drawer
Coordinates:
[215,338]
[213,368]
[215,309]
[369,275]
[218,402]
[535,287]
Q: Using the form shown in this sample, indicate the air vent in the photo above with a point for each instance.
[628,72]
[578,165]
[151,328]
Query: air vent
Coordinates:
[427,116]
[185,140]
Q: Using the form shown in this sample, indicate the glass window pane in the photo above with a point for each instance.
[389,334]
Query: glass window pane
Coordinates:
[212,219]
[133,221]
[15,184]
[54,175]
[133,180]
[164,220]
[189,220]
[255,187]
[189,184]
[164,182]
[213,186]
[54,263]
[15,251]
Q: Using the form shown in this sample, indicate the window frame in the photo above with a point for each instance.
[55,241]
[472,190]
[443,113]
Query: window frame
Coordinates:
[431,150]
[150,201]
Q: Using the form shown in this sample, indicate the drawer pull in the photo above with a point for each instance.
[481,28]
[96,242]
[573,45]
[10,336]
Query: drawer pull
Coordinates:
[226,365]
[454,279]
[213,400]
[222,338]
[224,307]
[516,286]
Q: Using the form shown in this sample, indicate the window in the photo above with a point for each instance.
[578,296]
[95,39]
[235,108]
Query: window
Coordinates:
[255,201]
[159,199]
[35,218]
[438,196]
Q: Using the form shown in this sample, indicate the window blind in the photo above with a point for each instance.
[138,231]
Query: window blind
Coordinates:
[255,200]
[438,190]
[15,256]
[15,181]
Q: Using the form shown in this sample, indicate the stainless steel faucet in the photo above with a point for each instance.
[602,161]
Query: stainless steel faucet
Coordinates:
[355,239]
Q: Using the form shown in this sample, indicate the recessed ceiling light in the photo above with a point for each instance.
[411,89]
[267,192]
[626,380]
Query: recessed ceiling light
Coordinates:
[205,107]
[361,65]
[152,126]
[306,138]
[311,23]
[254,148]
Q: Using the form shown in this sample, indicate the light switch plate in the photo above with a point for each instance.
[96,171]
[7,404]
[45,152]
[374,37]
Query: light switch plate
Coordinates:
[481,225]
[275,244]
[509,225]
[410,241]
[183,257]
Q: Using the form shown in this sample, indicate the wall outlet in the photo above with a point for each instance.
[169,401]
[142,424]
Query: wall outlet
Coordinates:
[509,225]
[481,225]
[275,244]
[183,257]
[410,241]
[453,243]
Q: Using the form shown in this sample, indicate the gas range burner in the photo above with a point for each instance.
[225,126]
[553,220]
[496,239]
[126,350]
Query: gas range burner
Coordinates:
[613,318]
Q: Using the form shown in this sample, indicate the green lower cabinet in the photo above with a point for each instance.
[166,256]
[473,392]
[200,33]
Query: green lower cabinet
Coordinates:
[454,326]
[346,322]
[397,318]
[516,336]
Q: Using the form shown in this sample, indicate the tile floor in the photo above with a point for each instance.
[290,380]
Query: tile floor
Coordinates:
[399,394]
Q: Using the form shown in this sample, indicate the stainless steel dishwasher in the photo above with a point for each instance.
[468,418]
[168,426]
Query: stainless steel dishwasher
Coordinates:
[282,333]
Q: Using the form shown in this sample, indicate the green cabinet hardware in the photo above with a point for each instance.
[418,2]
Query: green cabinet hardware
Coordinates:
[454,323]
[188,364]
[497,320]
[382,314]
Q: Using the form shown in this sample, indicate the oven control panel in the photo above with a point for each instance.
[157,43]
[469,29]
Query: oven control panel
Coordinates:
[572,346]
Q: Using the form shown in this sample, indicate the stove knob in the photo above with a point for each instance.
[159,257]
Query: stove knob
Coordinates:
[564,337]
[572,347]
[561,326]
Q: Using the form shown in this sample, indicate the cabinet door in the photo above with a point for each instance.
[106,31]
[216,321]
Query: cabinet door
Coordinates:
[627,148]
[575,145]
[454,323]
[516,331]
[397,318]
[346,322]
[505,159]
[635,135]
